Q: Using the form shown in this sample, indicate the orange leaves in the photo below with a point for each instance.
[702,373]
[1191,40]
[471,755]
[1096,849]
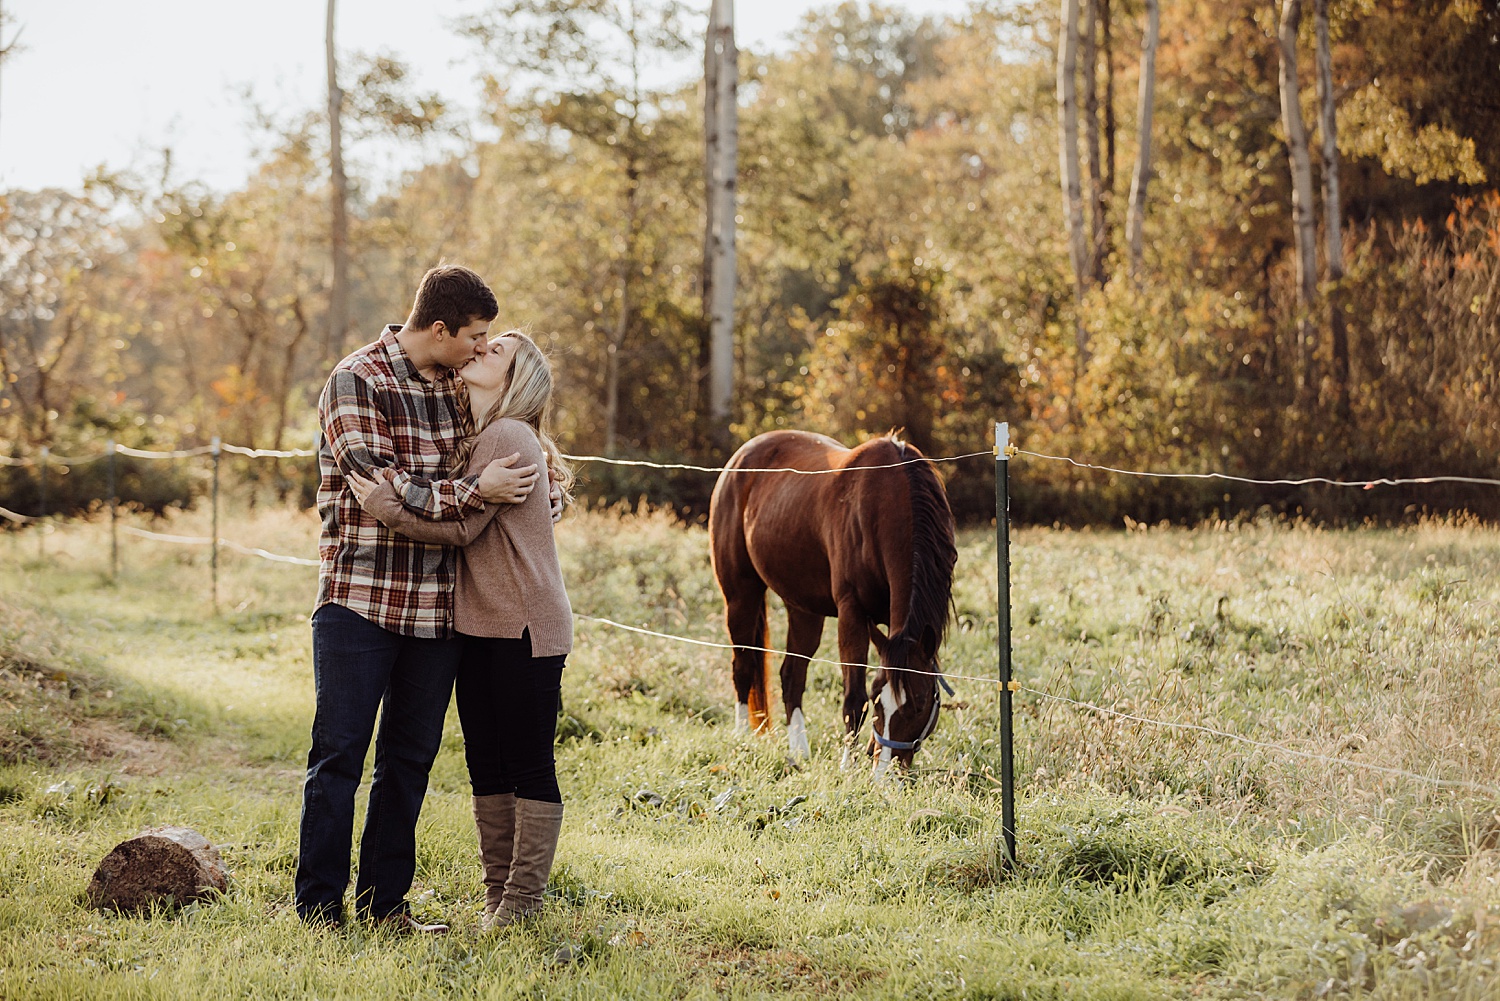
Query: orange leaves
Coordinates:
[236,389]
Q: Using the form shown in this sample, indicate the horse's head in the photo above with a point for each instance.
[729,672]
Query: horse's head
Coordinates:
[906,697]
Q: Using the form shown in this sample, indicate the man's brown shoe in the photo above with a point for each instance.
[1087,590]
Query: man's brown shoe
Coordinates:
[405,924]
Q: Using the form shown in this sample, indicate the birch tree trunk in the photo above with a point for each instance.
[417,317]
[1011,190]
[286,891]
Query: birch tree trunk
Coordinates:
[4,47]
[612,367]
[701,382]
[616,346]
[1145,104]
[1090,74]
[338,296]
[1106,40]
[1304,222]
[288,370]
[7,49]
[721,382]
[1067,104]
[1333,229]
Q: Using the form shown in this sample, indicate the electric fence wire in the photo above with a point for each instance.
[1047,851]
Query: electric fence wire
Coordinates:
[779,469]
[1383,481]
[146,453]
[1061,699]
[262,453]
[204,540]
[1079,704]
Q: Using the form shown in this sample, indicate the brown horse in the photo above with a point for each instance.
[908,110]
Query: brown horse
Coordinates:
[868,537]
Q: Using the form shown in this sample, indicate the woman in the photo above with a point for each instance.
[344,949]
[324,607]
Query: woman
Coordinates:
[512,610]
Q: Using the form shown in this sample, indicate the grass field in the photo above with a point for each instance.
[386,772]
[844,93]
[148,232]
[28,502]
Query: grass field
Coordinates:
[1154,861]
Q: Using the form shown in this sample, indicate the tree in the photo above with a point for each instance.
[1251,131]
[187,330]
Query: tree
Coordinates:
[1333,228]
[711,60]
[1098,228]
[1067,104]
[1410,104]
[1304,220]
[244,270]
[379,104]
[1141,177]
[338,292]
[825,187]
[7,48]
[62,260]
[887,360]
[723,156]
[1107,44]
[590,55]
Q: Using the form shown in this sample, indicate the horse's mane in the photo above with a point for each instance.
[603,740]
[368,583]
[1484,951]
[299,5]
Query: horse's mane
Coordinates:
[934,554]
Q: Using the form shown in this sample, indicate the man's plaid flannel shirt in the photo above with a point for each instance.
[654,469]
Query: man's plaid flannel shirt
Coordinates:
[376,411]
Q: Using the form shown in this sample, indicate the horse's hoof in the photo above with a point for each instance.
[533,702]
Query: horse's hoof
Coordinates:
[741,717]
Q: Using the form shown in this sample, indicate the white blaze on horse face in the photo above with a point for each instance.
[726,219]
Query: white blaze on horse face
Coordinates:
[741,717]
[796,735]
[890,701]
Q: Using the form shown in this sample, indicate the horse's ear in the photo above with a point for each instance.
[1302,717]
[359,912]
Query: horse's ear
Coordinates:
[881,641]
[929,643]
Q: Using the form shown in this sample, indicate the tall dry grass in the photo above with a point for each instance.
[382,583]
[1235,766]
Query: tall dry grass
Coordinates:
[1154,862]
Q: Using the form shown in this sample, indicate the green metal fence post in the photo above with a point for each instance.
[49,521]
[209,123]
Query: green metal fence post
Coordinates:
[1007,685]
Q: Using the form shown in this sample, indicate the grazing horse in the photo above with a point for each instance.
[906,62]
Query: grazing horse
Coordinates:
[864,534]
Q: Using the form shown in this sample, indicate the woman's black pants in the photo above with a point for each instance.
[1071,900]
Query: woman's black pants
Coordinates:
[507,702]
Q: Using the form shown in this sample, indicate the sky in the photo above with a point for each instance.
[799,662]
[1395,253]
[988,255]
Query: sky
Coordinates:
[113,82]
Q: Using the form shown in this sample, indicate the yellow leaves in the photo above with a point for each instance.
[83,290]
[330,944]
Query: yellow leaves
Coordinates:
[1372,125]
[1467,11]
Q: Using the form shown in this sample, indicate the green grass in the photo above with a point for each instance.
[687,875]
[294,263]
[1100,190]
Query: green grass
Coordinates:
[694,863]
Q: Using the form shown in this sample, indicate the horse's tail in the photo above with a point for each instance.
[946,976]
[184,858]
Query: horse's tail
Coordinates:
[760,713]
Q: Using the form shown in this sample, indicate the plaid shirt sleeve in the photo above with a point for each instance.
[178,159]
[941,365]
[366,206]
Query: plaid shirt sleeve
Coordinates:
[362,438]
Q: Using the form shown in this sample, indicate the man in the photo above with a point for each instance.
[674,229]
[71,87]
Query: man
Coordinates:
[383,621]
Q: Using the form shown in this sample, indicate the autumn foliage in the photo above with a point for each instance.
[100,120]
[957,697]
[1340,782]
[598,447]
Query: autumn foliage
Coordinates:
[902,261]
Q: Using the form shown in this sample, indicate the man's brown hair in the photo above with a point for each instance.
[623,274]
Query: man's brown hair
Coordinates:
[455,295]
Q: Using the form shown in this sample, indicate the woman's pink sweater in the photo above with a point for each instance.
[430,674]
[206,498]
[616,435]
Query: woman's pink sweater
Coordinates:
[509,579]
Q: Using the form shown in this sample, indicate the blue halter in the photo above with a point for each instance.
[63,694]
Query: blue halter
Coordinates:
[913,745]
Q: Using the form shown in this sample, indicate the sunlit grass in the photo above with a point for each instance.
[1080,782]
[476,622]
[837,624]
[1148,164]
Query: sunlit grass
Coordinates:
[696,863]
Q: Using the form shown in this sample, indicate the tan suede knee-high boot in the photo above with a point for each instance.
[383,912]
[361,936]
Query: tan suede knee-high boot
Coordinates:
[538,825]
[495,818]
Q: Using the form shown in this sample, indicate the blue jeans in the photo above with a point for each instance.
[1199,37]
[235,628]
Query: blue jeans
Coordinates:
[357,667]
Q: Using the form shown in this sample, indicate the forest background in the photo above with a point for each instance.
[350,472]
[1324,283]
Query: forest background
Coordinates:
[904,257]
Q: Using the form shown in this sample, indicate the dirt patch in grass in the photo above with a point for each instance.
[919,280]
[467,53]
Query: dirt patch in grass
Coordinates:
[775,970]
[35,721]
[48,717]
[131,753]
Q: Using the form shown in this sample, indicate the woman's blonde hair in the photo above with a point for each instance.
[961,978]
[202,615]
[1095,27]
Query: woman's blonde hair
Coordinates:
[528,390]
